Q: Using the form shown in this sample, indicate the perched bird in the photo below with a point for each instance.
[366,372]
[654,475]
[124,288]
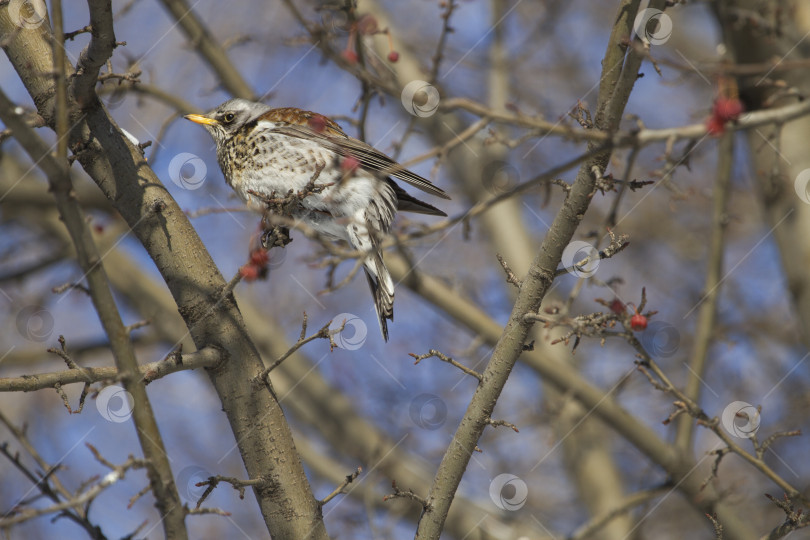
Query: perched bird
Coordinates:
[265,153]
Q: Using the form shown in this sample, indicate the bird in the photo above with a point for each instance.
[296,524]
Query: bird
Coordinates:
[346,186]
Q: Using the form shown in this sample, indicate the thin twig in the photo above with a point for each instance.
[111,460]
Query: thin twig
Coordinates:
[339,490]
[444,358]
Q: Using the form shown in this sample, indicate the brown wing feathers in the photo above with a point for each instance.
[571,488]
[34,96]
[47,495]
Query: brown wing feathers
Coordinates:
[310,125]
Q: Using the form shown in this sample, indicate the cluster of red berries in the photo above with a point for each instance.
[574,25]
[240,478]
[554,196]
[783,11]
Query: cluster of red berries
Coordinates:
[256,267]
[638,321]
[724,110]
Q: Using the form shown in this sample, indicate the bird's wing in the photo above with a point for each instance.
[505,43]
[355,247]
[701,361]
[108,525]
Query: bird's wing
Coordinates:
[313,126]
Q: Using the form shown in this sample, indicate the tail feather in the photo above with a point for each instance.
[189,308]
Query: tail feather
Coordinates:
[408,203]
[363,235]
[382,289]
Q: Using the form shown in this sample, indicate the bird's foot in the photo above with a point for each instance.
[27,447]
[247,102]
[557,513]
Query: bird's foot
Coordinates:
[276,237]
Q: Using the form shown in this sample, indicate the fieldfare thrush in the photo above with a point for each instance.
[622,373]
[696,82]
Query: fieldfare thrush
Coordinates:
[345,186]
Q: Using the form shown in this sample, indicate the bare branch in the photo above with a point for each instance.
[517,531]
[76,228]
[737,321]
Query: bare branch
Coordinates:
[339,490]
[444,358]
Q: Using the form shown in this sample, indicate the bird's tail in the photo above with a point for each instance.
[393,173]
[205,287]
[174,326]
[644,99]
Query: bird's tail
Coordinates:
[382,288]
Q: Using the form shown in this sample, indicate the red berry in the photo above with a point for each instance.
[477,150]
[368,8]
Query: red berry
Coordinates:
[715,125]
[638,322]
[393,56]
[259,258]
[724,110]
[350,56]
[617,306]
[349,164]
[98,228]
[728,109]
[249,272]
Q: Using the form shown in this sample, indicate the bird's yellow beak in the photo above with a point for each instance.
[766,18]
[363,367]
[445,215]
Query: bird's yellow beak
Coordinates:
[200,119]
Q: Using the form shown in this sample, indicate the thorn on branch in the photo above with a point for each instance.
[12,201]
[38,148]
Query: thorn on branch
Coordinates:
[444,358]
[496,423]
[71,35]
[134,326]
[339,490]
[59,289]
[146,489]
[213,482]
[680,408]
[510,275]
[720,453]
[566,187]
[409,494]
[63,354]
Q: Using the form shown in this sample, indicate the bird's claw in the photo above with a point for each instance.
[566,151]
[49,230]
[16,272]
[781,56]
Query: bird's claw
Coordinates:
[276,237]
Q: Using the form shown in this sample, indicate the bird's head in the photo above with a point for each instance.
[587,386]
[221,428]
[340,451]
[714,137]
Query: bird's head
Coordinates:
[224,121]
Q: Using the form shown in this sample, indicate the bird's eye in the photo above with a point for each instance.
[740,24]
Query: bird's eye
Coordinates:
[228,117]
